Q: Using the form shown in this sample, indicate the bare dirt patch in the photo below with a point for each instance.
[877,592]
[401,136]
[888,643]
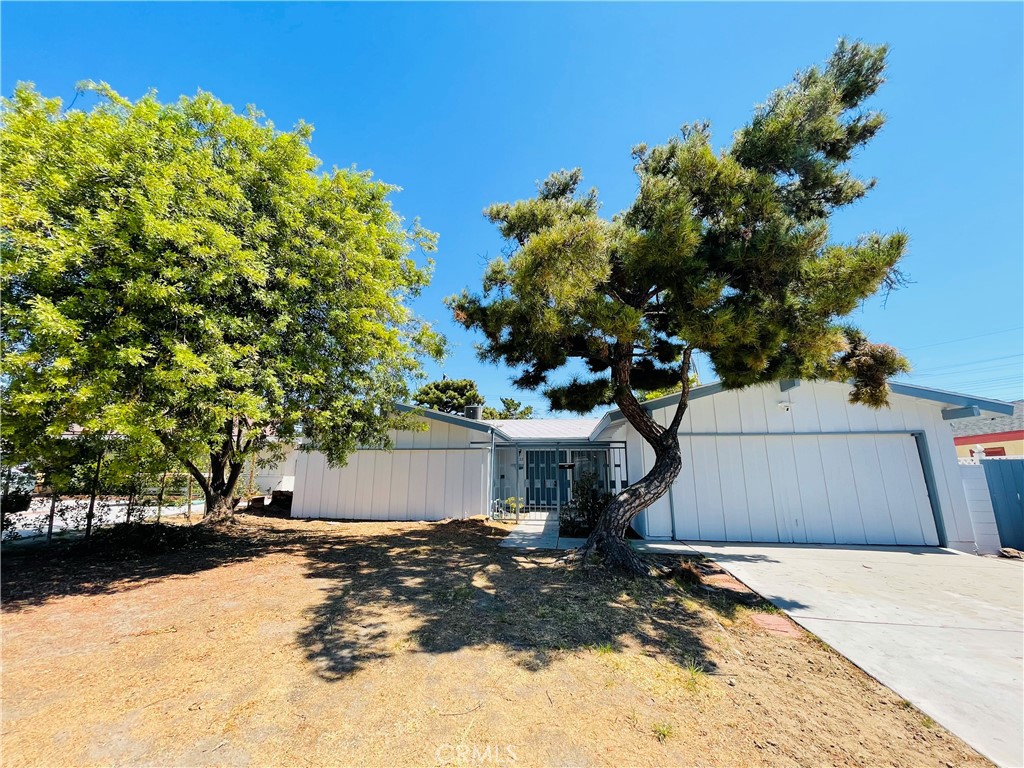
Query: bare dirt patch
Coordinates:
[285,642]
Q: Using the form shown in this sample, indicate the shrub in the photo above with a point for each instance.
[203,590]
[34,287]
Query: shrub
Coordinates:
[588,501]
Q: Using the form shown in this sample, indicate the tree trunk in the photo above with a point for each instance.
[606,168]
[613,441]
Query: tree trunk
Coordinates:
[131,505]
[219,489]
[53,509]
[608,539]
[3,499]
[226,466]
[250,483]
[92,495]
[160,496]
[218,508]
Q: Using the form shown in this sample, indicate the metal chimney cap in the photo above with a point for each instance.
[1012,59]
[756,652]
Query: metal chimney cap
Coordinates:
[475,412]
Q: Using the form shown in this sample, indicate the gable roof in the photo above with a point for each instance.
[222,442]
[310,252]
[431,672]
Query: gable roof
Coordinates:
[982,404]
[514,430]
[545,429]
[986,404]
[511,429]
[987,425]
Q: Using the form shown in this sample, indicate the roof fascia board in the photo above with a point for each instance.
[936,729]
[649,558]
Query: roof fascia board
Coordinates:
[951,398]
[900,388]
[451,418]
[601,426]
[666,401]
[578,440]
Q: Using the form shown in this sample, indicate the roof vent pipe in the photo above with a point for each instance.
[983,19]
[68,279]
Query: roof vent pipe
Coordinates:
[475,412]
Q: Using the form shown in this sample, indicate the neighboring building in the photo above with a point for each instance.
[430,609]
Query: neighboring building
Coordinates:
[790,462]
[277,477]
[998,435]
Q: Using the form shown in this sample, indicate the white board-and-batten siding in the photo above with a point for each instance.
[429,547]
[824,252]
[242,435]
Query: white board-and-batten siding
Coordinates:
[432,474]
[820,471]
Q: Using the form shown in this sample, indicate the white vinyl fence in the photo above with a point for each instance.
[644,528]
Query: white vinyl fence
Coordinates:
[979,503]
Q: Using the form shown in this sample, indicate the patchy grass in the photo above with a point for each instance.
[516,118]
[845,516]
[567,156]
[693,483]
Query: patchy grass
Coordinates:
[663,731]
[286,642]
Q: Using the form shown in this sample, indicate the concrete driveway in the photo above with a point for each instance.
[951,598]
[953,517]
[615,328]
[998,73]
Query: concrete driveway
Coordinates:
[945,630]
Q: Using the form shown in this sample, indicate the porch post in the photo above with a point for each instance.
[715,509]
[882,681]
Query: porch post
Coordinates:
[490,479]
[515,456]
[558,482]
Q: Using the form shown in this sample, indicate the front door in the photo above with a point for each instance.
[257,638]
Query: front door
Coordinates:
[542,477]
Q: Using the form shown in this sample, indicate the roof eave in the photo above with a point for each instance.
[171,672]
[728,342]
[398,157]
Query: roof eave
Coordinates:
[704,390]
[951,398]
[451,418]
[985,404]
[600,427]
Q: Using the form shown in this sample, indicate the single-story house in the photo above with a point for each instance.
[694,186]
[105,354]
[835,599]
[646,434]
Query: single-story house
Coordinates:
[788,462]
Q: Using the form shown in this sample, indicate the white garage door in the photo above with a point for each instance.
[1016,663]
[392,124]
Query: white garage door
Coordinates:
[395,485]
[822,489]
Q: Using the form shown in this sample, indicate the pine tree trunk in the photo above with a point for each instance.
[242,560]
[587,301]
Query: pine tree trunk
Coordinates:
[608,539]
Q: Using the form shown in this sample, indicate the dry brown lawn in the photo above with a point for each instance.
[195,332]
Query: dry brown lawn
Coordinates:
[286,642]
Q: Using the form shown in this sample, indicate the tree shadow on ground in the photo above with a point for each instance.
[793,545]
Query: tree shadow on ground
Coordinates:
[448,586]
[34,573]
[393,588]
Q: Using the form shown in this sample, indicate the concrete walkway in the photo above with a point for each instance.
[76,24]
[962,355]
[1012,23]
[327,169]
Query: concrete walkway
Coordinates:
[539,533]
[943,629]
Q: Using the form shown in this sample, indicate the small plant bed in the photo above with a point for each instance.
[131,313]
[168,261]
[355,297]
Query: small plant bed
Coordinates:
[578,517]
[292,642]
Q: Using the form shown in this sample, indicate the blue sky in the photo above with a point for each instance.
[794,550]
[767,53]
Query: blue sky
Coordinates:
[465,104]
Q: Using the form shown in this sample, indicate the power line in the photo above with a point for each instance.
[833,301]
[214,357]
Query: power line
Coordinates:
[965,376]
[968,363]
[965,338]
[984,384]
[982,369]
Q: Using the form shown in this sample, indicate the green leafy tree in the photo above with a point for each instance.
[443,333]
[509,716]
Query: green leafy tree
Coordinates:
[448,395]
[725,253]
[510,409]
[183,272]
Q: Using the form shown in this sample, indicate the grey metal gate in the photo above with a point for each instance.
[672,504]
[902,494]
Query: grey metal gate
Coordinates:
[533,481]
[1005,478]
